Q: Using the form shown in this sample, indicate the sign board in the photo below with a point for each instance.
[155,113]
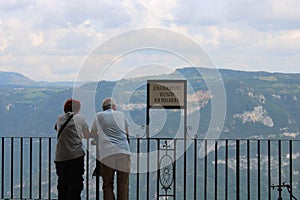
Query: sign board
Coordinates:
[166,93]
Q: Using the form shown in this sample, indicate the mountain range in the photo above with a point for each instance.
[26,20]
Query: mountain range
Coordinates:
[258,104]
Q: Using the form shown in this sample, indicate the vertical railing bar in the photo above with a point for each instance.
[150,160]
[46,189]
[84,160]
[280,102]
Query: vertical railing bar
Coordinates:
[184,170]
[49,167]
[148,169]
[237,169]
[258,169]
[30,168]
[158,168]
[2,169]
[226,169]
[97,175]
[12,168]
[291,168]
[185,139]
[174,174]
[205,169]
[216,169]
[40,168]
[138,168]
[269,170]
[21,168]
[195,168]
[279,165]
[248,170]
[87,167]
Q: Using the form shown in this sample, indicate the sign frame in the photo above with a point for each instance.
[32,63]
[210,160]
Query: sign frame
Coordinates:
[158,106]
[172,99]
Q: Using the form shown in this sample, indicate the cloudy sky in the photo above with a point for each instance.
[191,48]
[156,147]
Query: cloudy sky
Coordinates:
[50,40]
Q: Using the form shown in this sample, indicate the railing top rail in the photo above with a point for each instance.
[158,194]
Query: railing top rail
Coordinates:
[168,138]
[29,137]
[263,167]
[212,139]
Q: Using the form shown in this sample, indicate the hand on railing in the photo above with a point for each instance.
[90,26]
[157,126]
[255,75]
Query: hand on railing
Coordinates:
[94,142]
[143,126]
[187,131]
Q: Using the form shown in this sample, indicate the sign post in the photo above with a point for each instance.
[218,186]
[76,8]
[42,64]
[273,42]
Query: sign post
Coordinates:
[166,94]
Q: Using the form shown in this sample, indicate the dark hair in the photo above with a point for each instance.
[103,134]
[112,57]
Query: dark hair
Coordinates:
[72,105]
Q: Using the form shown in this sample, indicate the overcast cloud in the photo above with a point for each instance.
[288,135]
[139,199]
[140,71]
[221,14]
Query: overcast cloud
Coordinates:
[51,39]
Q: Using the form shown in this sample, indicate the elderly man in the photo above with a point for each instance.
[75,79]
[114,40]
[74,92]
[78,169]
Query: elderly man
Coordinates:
[111,128]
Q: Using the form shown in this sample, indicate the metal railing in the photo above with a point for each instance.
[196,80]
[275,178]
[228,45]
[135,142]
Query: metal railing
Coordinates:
[163,168]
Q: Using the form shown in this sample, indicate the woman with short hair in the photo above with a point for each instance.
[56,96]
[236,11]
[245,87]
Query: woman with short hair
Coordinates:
[69,157]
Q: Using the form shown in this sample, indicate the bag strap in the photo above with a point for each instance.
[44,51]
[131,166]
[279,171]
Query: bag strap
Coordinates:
[63,126]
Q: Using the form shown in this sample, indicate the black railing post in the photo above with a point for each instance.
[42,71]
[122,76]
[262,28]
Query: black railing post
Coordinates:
[205,169]
[138,168]
[226,169]
[49,167]
[174,175]
[258,169]
[30,168]
[184,169]
[279,167]
[2,168]
[87,167]
[248,171]
[237,169]
[158,168]
[97,175]
[148,169]
[291,168]
[40,168]
[216,169]
[195,169]
[12,168]
[269,168]
[21,168]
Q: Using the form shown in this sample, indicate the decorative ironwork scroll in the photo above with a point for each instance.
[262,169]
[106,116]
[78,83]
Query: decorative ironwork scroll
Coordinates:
[167,170]
[166,173]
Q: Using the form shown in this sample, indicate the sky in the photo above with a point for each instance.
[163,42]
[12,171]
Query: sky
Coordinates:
[51,40]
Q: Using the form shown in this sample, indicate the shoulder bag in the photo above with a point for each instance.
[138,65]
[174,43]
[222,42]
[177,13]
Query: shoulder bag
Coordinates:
[63,126]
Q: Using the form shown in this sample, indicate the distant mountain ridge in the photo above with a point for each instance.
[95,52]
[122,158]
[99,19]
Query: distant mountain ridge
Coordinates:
[10,79]
[14,78]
